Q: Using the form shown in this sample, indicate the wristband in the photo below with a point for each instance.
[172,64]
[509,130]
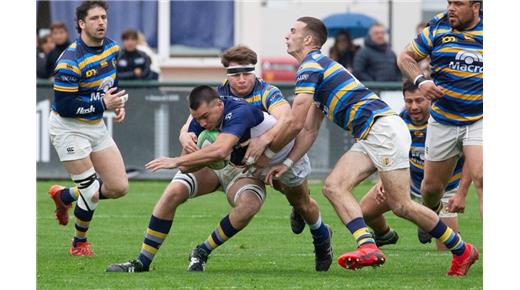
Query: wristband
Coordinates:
[288,162]
[269,153]
[418,80]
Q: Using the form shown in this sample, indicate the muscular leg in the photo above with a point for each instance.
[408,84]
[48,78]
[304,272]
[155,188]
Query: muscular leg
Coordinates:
[396,184]
[373,212]
[436,177]
[350,170]
[110,167]
[474,158]
[175,194]
[299,198]
[246,197]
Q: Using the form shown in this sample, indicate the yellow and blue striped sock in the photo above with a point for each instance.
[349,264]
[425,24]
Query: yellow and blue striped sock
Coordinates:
[69,195]
[449,238]
[359,230]
[83,218]
[156,233]
[223,232]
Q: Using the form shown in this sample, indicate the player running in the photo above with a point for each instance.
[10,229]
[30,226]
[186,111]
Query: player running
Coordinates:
[326,89]
[85,85]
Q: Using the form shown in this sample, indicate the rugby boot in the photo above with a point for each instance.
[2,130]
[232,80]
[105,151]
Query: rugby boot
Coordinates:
[460,264]
[81,249]
[297,222]
[130,266]
[381,241]
[198,259]
[323,252]
[62,210]
[365,255]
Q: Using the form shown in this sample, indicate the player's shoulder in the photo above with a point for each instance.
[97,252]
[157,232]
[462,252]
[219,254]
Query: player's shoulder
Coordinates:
[439,24]
[265,86]
[405,116]
[110,44]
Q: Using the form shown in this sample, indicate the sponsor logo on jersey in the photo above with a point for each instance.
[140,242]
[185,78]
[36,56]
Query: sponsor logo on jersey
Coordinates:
[467,61]
[302,78]
[228,116]
[82,111]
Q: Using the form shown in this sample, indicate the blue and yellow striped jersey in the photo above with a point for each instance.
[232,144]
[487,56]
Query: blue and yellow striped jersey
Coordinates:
[81,78]
[418,134]
[264,95]
[339,95]
[458,66]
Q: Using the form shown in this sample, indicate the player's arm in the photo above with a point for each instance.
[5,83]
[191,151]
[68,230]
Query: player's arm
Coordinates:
[302,144]
[408,62]
[457,203]
[257,145]
[294,122]
[308,134]
[214,152]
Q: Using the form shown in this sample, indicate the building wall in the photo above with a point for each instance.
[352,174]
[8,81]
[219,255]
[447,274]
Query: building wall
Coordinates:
[262,25]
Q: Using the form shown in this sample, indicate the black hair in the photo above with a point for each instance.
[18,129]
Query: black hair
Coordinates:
[201,94]
[409,86]
[84,7]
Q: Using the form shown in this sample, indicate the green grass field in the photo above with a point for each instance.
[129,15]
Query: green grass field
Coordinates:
[265,255]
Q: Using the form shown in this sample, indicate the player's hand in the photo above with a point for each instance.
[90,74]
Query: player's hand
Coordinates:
[114,100]
[431,91]
[188,141]
[275,172]
[380,193]
[256,147]
[162,163]
[457,203]
[120,115]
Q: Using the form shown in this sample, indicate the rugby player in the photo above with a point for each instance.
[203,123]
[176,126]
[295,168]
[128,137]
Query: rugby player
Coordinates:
[241,82]
[237,121]
[373,204]
[454,42]
[85,86]
[326,89]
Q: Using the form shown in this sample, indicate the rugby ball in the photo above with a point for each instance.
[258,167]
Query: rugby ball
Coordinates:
[206,138]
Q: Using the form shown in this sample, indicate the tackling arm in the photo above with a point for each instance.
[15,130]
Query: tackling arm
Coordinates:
[294,122]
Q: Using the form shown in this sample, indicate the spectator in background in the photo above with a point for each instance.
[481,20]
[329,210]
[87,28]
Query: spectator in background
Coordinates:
[376,61]
[343,50]
[143,46]
[132,63]
[424,64]
[60,36]
[45,46]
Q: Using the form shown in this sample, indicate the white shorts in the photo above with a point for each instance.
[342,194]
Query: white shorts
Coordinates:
[444,200]
[444,141]
[74,139]
[229,174]
[296,175]
[387,144]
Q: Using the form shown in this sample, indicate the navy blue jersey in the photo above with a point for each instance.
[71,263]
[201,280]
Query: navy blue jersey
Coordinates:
[418,134]
[82,77]
[239,118]
[264,95]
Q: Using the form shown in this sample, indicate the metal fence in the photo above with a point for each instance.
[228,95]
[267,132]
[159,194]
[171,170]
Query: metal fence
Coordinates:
[155,113]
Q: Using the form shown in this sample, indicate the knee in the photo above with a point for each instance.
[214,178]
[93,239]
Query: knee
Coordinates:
[332,189]
[402,210]
[116,190]
[431,189]
[478,179]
